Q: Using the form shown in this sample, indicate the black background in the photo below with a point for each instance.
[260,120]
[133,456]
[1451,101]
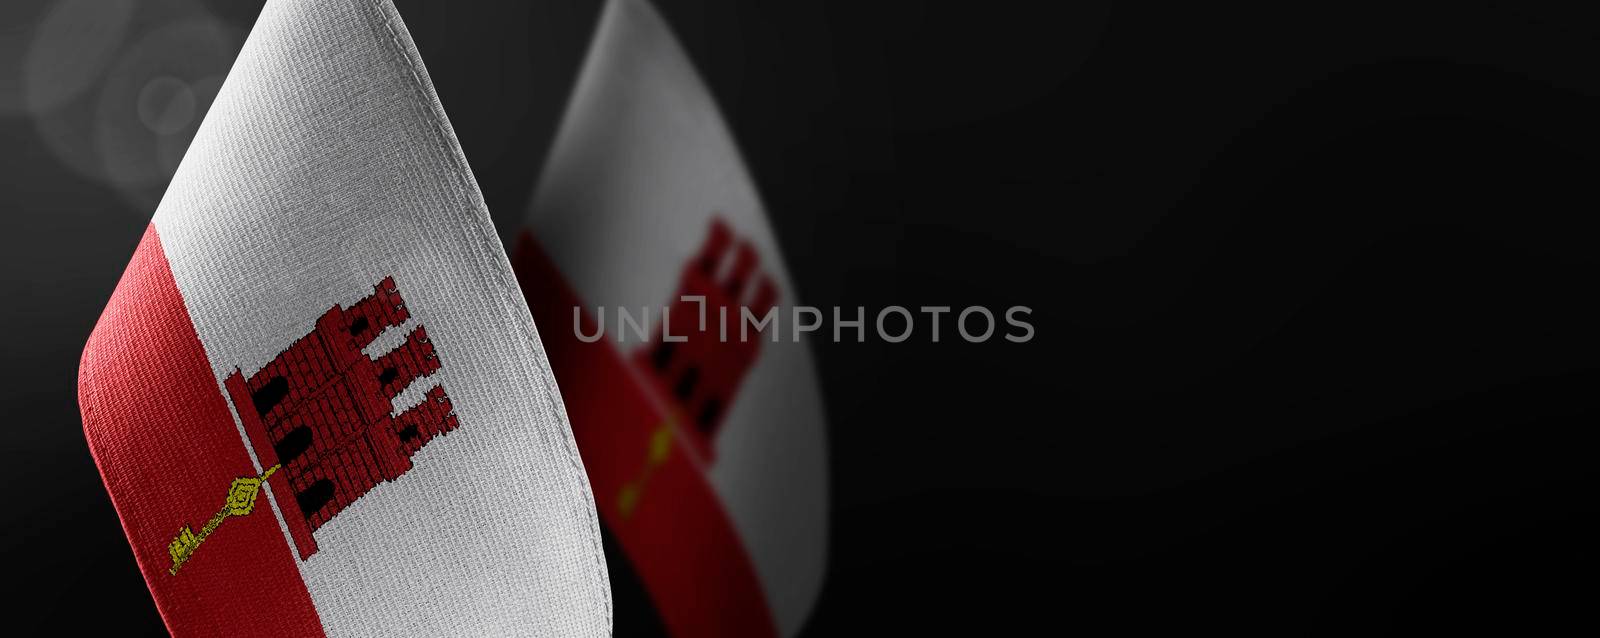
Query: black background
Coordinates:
[1312,286]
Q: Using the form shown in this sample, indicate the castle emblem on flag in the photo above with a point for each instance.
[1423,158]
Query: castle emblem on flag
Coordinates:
[700,375]
[321,417]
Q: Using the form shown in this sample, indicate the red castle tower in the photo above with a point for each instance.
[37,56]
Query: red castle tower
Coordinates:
[323,410]
[701,374]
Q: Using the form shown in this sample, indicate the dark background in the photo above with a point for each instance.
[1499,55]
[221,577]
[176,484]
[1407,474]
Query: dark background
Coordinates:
[1313,289]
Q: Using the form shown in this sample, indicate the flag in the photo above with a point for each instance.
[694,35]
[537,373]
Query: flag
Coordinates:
[316,397]
[707,455]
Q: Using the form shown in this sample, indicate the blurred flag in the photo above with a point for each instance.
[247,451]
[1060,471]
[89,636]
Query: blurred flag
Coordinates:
[317,398]
[707,455]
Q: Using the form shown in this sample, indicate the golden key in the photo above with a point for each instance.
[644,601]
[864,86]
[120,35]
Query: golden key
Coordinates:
[241,501]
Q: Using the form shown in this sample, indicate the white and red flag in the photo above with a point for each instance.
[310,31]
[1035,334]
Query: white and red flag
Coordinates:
[705,443]
[316,397]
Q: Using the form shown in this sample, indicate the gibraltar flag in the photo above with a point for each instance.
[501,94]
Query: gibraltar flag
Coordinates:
[707,455]
[316,397]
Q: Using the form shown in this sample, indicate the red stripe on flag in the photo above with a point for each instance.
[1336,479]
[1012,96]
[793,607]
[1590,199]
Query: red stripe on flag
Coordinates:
[168,450]
[672,527]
